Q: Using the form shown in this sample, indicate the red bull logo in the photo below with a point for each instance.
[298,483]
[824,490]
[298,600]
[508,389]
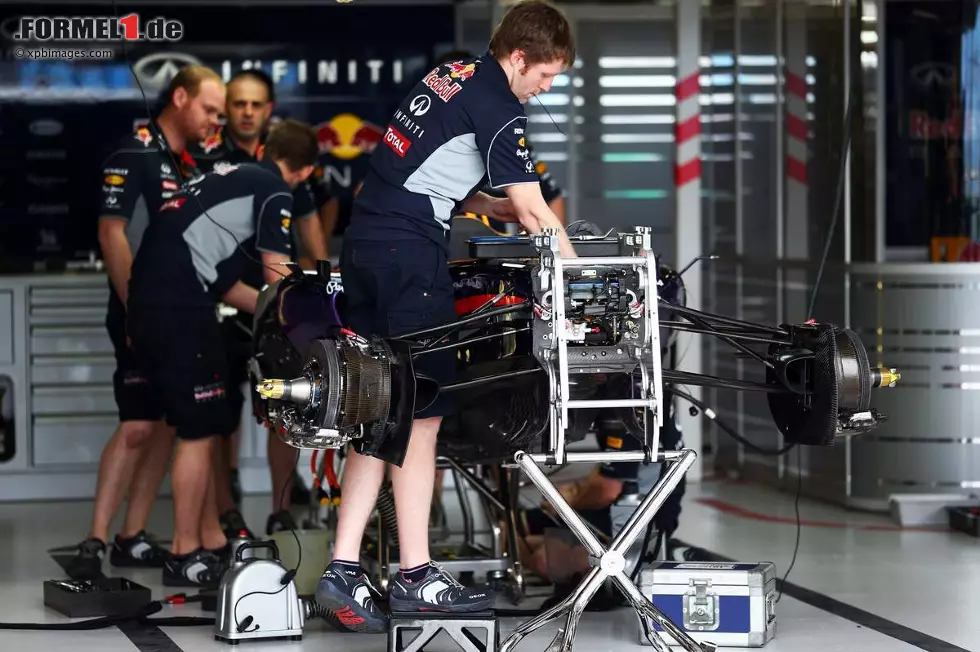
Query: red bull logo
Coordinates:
[443,86]
[346,136]
[212,142]
[458,71]
[143,135]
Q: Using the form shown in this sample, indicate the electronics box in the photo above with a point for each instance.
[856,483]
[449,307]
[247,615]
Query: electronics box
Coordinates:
[729,604]
[106,596]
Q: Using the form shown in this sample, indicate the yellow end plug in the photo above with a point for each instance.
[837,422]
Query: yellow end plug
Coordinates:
[888,377]
[271,389]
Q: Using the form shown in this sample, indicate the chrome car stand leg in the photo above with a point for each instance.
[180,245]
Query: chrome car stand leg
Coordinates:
[609,563]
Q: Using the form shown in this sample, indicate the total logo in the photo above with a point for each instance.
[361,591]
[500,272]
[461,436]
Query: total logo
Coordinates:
[346,136]
[173,204]
[397,142]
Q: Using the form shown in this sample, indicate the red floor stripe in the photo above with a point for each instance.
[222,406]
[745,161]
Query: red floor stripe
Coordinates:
[741,512]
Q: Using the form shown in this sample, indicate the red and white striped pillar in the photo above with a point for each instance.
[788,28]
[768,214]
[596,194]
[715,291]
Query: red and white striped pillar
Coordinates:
[797,245]
[687,181]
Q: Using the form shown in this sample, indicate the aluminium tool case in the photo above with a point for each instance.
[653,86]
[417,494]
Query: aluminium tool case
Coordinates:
[728,604]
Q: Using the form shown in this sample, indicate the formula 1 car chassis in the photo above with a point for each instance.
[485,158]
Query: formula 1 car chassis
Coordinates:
[540,340]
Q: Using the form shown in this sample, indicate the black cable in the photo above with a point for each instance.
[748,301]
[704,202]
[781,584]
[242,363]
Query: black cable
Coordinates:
[842,171]
[710,414]
[799,523]
[837,203]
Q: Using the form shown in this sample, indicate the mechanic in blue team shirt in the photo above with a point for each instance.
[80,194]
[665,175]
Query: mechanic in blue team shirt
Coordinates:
[462,127]
[250,101]
[198,252]
[550,190]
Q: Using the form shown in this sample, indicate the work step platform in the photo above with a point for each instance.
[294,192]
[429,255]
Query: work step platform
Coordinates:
[458,627]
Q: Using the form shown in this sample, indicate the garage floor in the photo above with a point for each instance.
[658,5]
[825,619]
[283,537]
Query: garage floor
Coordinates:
[859,583]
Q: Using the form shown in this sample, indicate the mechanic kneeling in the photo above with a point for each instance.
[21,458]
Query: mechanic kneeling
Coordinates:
[594,498]
[190,261]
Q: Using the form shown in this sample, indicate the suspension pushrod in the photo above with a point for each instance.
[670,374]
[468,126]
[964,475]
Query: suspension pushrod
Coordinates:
[466,384]
[688,327]
[459,322]
[749,326]
[468,341]
[687,378]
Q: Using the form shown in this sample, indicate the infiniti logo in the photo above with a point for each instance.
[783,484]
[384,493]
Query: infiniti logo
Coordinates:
[10,28]
[933,73]
[420,105]
[154,71]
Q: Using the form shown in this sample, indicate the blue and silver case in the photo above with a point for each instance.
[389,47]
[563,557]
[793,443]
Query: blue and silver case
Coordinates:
[731,605]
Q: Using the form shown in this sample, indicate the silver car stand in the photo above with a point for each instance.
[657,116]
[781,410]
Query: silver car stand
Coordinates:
[640,349]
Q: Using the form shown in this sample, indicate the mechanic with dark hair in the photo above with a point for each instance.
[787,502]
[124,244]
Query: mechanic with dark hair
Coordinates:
[248,110]
[552,192]
[459,129]
[144,170]
[193,257]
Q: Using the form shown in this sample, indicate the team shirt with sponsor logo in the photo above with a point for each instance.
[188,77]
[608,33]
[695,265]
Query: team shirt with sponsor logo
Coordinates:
[550,188]
[194,254]
[217,152]
[459,129]
[139,176]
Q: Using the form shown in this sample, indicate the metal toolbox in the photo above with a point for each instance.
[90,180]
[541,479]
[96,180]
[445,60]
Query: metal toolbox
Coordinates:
[730,605]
